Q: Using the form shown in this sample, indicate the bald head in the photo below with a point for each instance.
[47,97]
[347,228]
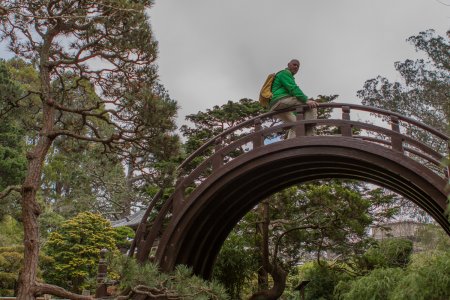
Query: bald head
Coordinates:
[293,66]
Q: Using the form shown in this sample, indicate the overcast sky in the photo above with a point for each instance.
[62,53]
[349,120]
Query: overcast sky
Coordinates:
[212,51]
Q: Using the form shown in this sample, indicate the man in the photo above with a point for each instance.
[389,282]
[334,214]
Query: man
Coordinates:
[286,93]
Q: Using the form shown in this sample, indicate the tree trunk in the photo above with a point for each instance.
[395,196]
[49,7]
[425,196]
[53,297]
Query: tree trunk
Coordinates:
[279,276]
[277,273]
[30,207]
[262,230]
[30,214]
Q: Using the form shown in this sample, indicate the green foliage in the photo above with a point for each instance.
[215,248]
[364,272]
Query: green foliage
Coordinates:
[11,232]
[63,56]
[123,236]
[388,253]
[10,91]
[216,120]
[235,264]
[423,94]
[75,250]
[11,262]
[432,237]
[181,284]
[78,177]
[427,277]
[322,280]
[12,143]
[11,259]
[307,222]
[12,156]
[49,221]
[139,130]
[377,285]
[328,215]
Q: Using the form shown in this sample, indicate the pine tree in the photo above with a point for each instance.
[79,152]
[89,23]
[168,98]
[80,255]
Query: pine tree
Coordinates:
[94,61]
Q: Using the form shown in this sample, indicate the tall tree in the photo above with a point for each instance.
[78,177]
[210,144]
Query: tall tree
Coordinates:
[94,60]
[75,249]
[423,94]
[326,220]
[218,119]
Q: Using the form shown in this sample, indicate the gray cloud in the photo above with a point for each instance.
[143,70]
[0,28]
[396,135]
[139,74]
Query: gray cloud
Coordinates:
[213,51]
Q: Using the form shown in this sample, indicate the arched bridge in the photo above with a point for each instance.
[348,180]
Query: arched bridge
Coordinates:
[247,163]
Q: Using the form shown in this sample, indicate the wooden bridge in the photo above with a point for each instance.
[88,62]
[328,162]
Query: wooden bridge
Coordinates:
[248,162]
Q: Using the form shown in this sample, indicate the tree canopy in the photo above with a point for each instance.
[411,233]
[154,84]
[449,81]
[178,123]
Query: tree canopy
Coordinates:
[425,87]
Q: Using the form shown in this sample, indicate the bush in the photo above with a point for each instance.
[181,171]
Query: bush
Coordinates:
[11,262]
[235,265]
[389,253]
[181,284]
[427,277]
[376,286]
[123,237]
[322,280]
[75,249]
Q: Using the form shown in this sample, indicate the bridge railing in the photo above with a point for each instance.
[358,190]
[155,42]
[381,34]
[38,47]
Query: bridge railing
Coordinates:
[388,129]
[391,130]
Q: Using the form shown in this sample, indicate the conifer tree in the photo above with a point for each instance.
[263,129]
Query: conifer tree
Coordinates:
[96,80]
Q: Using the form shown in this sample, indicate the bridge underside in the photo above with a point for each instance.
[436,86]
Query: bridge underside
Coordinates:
[195,236]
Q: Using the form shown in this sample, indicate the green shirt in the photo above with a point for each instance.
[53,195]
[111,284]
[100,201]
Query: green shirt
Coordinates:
[284,86]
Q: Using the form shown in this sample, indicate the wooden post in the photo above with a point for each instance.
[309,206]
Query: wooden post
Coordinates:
[178,197]
[300,129]
[258,141]
[396,138]
[346,130]
[217,160]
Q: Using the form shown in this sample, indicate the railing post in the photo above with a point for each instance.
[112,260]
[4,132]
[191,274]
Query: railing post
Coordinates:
[258,140]
[217,160]
[346,129]
[178,197]
[396,139]
[300,129]
[101,276]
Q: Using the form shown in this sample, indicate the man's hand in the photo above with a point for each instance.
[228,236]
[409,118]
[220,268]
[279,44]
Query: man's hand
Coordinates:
[311,103]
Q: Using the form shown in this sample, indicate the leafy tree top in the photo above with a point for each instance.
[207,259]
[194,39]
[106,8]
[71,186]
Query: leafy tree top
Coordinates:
[424,91]
[75,248]
[96,65]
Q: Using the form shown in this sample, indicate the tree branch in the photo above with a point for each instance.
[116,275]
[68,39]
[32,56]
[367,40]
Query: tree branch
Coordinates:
[43,288]
[9,189]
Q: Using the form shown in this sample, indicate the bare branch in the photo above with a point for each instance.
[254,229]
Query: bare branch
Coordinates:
[43,288]
[442,3]
[275,252]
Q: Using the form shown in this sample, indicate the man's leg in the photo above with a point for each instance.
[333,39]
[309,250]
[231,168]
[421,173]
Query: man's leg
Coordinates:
[286,116]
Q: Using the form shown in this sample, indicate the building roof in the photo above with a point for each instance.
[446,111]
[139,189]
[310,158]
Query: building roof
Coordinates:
[131,221]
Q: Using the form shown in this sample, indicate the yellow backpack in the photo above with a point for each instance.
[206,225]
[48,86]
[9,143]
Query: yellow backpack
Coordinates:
[265,95]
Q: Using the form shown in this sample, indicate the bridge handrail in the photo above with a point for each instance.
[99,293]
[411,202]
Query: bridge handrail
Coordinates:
[360,107]
[146,238]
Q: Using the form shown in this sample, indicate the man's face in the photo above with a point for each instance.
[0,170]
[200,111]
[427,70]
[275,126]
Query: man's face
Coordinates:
[293,66]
